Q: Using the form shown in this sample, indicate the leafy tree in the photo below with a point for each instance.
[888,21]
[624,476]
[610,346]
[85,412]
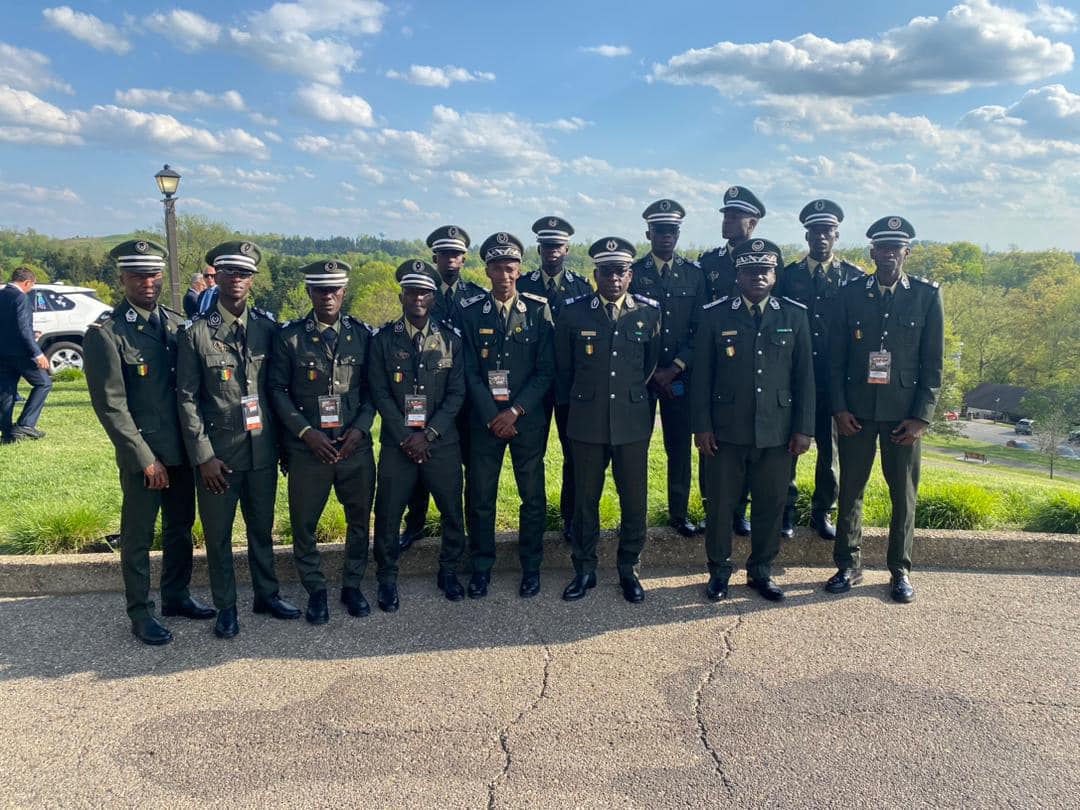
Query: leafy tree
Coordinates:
[1055,409]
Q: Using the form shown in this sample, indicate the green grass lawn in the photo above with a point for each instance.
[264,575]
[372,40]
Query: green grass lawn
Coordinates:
[63,491]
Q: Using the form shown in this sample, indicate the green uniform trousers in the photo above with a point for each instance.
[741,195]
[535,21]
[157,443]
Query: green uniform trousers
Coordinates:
[675,425]
[310,482]
[255,491]
[765,470]
[397,477]
[900,466]
[630,469]
[420,497]
[826,468]
[527,456]
[138,514]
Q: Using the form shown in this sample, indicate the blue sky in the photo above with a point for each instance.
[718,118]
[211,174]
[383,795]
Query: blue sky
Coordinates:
[328,117]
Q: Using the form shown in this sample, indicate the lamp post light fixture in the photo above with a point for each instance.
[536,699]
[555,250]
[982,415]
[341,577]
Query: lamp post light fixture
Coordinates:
[168,181]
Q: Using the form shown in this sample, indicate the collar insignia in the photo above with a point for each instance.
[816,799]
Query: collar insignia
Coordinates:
[131,316]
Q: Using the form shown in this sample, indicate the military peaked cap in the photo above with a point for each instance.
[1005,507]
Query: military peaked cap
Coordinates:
[140,256]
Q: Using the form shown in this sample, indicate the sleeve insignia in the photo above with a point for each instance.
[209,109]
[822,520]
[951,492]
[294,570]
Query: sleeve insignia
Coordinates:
[652,302]
[472,300]
[793,301]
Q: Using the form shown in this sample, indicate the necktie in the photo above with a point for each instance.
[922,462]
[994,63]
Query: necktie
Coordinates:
[664,270]
[154,322]
[418,340]
[886,300]
[241,337]
[449,296]
[330,336]
[756,308]
[504,313]
[611,312]
[551,288]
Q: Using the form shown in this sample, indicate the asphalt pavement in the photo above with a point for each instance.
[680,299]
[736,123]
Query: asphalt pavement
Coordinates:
[969,697]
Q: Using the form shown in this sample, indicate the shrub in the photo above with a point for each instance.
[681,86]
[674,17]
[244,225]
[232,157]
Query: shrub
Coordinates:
[58,530]
[69,375]
[1059,514]
[954,506]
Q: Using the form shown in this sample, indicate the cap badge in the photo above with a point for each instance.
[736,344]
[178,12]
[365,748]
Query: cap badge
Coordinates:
[819,205]
[733,192]
[131,316]
[612,244]
[142,247]
[451,231]
[665,205]
[330,266]
[552,222]
[894,223]
[246,247]
[418,266]
[502,238]
[758,245]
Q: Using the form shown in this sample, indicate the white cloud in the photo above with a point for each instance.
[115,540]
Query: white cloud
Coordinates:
[371,174]
[37,137]
[185,101]
[38,194]
[272,136]
[294,52]
[975,43]
[410,206]
[243,179]
[567,124]
[327,104]
[311,16]
[28,70]
[428,76]
[609,51]
[263,120]
[1055,19]
[23,109]
[1050,112]
[87,28]
[112,124]
[186,29]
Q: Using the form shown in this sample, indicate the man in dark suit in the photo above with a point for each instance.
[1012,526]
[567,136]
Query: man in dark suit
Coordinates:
[20,356]
[191,297]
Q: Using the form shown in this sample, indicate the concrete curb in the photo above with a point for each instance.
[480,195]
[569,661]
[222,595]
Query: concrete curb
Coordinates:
[34,575]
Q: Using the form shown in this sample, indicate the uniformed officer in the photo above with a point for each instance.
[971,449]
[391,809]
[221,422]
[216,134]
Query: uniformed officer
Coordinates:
[557,284]
[606,349]
[886,356]
[449,244]
[753,408]
[318,383]
[742,211]
[130,364]
[815,282]
[229,431]
[679,287]
[509,367]
[417,381]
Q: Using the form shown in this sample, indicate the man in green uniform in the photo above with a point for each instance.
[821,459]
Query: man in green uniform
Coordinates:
[678,285]
[606,349]
[130,363]
[557,284]
[417,380]
[742,211]
[229,431]
[449,245]
[753,408]
[318,384]
[886,357]
[815,283]
[509,367]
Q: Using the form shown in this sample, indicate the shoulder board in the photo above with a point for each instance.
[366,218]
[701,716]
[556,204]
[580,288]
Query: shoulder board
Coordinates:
[577,298]
[925,281]
[537,298]
[452,328]
[285,325]
[717,302]
[793,301]
[468,302]
[172,313]
[375,330]
[361,324]
[388,325]
[103,318]
[262,313]
[652,302]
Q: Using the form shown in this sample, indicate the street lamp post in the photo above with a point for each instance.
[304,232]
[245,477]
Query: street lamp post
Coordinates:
[168,181]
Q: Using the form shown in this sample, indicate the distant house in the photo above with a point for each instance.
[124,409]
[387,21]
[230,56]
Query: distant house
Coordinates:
[995,401]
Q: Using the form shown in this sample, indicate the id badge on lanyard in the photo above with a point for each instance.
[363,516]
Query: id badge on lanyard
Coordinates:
[330,411]
[499,384]
[252,412]
[415,411]
[880,368]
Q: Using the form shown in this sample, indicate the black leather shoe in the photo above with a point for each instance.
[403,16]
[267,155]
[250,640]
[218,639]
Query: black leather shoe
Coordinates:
[740,525]
[823,526]
[318,612]
[226,625]
[27,432]
[717,589]
[530,584]
[151,631]
[190,608]
[276,607]
[901,590]
[843,580]
[354,602]
[388,598]
[478,584]
[787,526]
[578,587]
[448,583]
[408,537]
[684,526]
[767,588]
[631,589]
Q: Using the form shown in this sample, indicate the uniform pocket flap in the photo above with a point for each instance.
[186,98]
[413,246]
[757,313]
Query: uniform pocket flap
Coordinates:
[783,398]
[908,378]
[219,360]
[724,396]
[637,394]
[780,340]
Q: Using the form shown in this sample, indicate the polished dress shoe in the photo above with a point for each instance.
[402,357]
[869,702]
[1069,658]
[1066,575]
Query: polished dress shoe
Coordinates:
[740,525]
[226,625]
[190,608]
[717,588]
[478,584]
[318,612]
[684,526]
[276,607]
[631,589]
[27,432]
[787,525]
[767,588]
[843,580]
[354,602]
[901,590]
[823,526]
[530,584]
[408,537]
[578,587]
[151,631]
[450,586]
[388,598]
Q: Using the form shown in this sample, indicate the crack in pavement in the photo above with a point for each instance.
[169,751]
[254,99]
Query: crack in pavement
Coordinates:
[504,733]
[707,678]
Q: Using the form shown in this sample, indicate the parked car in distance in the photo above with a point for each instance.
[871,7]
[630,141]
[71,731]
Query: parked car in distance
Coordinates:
[1074,436]
[951,416]
[1024,427]
[62,314]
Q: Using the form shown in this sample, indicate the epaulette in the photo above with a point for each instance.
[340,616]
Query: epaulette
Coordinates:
[652,302]
[793,301]
[712,304]
[926,281]
[170,313]
[572,274]
[577,298]
[468,302]
[262,313]
[537,298]
[103,318]
[361,324]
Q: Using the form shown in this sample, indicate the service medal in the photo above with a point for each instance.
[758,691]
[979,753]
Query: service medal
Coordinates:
[589,348]
[312,374]
[858,334]
[226,374]
[484,352]
[398,376]
[729,351]
[142,369]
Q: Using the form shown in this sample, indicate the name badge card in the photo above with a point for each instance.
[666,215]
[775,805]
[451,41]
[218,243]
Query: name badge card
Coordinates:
[415,411]
[880,371]
[330,411]
[252,413]
[499,383]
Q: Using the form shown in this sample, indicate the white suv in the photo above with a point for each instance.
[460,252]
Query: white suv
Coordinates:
[62,315]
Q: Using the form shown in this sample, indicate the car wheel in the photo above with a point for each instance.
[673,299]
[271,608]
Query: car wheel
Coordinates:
[63,355]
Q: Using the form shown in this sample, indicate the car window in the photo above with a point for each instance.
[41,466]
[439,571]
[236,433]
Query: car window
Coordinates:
[49,301]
